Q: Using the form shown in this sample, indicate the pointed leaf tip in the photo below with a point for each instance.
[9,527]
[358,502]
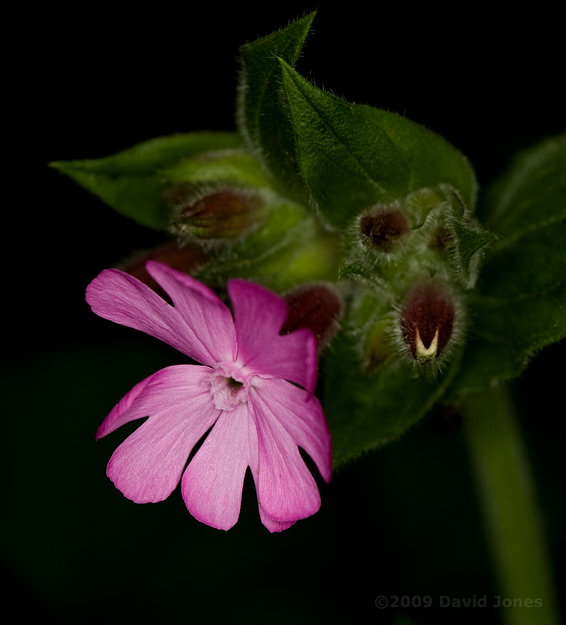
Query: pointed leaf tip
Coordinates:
[131,181]
[260,112]
[354,156]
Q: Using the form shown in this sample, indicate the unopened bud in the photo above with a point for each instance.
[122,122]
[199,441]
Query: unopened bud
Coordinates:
[313,306]
[187,258]
[220,214]
[383,228]
[427,321]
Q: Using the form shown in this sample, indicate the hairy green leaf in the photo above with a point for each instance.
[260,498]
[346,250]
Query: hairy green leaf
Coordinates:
[131,181]
[365,412]
[260,114]
[353,156]
[532,192]
[520,305]
[237,167]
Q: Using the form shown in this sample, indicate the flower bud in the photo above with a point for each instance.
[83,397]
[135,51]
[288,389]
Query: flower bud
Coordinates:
[220,214]
[313,306]
[384,228]
[427,321]
[186,258]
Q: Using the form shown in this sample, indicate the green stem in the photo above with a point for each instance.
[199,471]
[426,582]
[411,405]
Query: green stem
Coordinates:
[506,491]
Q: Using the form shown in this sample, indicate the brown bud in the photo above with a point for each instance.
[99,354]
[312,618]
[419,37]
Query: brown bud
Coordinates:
[427,321]
[313,306]
[222,214]
[185,258]
[384,228]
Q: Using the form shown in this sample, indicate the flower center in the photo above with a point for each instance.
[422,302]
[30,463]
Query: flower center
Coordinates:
[229,386]
[234,385]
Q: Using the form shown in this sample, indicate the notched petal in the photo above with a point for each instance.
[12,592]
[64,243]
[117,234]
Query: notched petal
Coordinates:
[213,482]
[286,489]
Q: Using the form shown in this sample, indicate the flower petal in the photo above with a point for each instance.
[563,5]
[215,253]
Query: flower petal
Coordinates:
[123,299]
[285,487]
[259,315]
[213,482]
[172,388]
[301,415]
[273,525]
[148,465]
[207,316]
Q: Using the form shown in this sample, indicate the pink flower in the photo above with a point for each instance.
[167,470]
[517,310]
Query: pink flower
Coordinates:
[254,389]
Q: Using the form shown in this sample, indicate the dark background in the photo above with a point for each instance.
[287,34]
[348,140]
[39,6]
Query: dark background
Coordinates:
[88,82]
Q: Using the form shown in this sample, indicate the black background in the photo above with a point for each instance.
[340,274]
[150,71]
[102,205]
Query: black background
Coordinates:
[87,82]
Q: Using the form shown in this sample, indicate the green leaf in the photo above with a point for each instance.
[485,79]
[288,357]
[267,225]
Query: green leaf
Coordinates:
[260,114]
[532,192]
[365,412]
[130,181]
[520,306]
[468,245]
[237,167]
[354,156]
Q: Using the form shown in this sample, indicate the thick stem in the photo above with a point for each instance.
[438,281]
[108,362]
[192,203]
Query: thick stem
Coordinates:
[506,492]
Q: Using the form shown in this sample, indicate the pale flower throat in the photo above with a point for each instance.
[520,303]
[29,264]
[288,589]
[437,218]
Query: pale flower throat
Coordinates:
[229,385]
